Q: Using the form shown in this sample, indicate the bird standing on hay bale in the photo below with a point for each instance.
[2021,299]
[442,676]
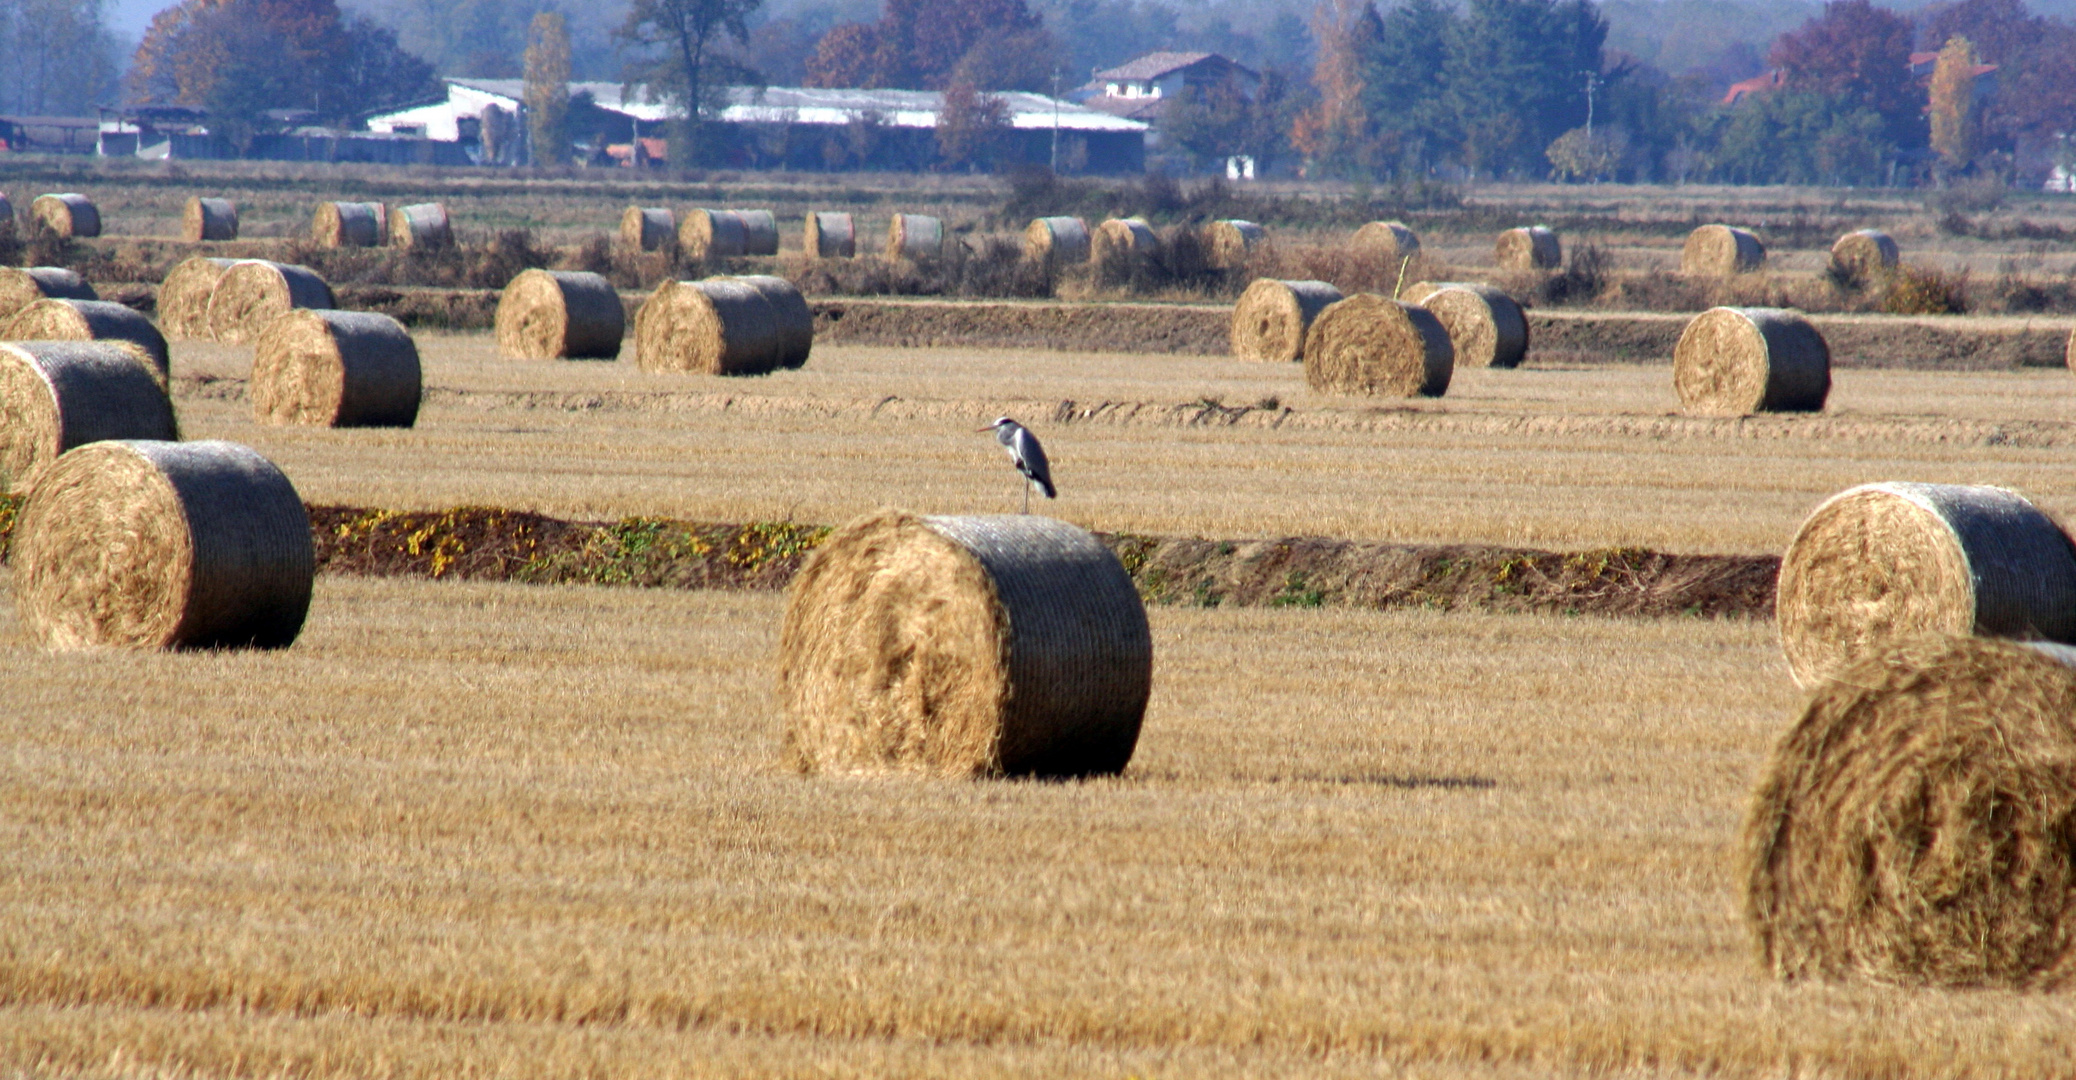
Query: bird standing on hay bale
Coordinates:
[1025,453]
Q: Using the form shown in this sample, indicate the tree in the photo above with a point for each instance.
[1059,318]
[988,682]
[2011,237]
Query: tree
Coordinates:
[1404,90]
[56,57]
[1801,137]
[687,71]
[930,44]
[1860,53]
[245,58]
[1581,155]
[1953,104]
[1516,77]
[847,56]
[971,127]
[547,88]
[1335,134]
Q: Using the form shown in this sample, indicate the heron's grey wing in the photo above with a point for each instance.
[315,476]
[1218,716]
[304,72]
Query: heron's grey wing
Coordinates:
[1035,466]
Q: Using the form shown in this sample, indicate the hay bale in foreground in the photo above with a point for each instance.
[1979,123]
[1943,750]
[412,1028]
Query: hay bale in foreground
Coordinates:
[1880,564]
[1121,242]
[1865,253]
[712,234]
[1010,645]
[55,395]
[93,320]
[720,326]
[163,545]
[209,219]
[1228,243]
[1532,248]
[1271,318]
[253,293]
[1486,327]
[1370,344]
[21,286]
[336,369]
[421,225]
[1056,241]
[829,236]
[760,232]
[183,302]
[1738,361]
[69,215]
[915,237]
[795,320]
[1720,250]
[349,224]
[1915,825]
[647,228]
[1390,241]
[561,315]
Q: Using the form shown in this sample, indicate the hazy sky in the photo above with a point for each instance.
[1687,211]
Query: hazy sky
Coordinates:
[130,17]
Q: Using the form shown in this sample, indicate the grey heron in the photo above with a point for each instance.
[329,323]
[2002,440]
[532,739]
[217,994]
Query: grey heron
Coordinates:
[1025,453]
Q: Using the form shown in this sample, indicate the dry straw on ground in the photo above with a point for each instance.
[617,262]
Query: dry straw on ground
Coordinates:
[1271,318]
[68,215]
[157,545]
[1369,344]
[1057,241]
[647,228]
[1228,243]
[760,232]
[21,286]
[1720,250]
[344,224]
[1486,327]
[790,311]
[561,315]
[1917,825]
[1738,361]
[1121,242]
[720,326]
[1532,248]
[1390,241]
[829,236]
[55,395]
[713,234]
[1864,253]
[963,646]
[93,320]
[183,302]
[254,292]
[915,237]
[1880,564]
[209,219]
[422,225]
[336,369]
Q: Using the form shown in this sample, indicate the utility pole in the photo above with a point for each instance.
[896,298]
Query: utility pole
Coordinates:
[1592,84]
[1056,120]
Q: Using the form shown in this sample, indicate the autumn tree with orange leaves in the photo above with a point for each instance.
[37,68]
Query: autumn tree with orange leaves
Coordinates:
[1953,104]
[1336,134]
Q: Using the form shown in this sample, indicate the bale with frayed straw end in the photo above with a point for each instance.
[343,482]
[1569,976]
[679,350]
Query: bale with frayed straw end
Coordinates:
[345,224]
[68,215]
[422,225]
[712,234]
[1486,327]
[93,320]
[209,219]
[1370,344]
[1864,253]
[1720,250]
[1120,242]
[1010,645]
[55,395]
[184,298]
[560,315]
[1917,825]
[1271,318]
[760,232]
[915,237]
[21,286]
[336,369]
[829,236]
[1387,240]
[254,292]
[1739,361]
[1535,247]
[1882,563]
[646,228]
[720,326]
[1228,243]
[1057,241]
[163,545]
[794,318]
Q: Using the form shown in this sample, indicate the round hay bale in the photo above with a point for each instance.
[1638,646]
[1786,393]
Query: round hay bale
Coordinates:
[1271,318]
[1533,248]
[252,293]
[1880,564]
[69,215]
[720,326]
[209,219]
[336,369]
[1864,253]
[1720,250]
[712,234]
[422,225]
[183,301]
[646,228]
[1370,344]
[1917,825]
[560,315]
[760,232]
[93,320]
[55,395]
[1390,241]
[163,545]
[1057,241]
[348,224]
[1486,327]
[915,237]
[829,236]
[796,320]
[1738,361]
[21,286]
[1120,242]
[1010,645]
[1228,243]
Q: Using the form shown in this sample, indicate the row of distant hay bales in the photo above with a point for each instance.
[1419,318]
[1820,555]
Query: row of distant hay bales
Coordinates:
[335,224]
[749,325]
[727,234]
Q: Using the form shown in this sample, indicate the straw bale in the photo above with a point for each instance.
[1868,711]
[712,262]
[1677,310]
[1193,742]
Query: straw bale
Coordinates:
[2069,352]
[348,224]
[1057,241]
[1882,563]
[209,219]
[760,232]
[1720,250]
[422,225]
[829,236]
[915,237]
[183,302]
[1228,243]
[1486,327]
[646,228]
[55,395]
[560,315]
[253,293]
[6,216]
[1119,242]
[93,320]
[1917,825]
[1865,252]
[1532,248]
[163,545]
[720,326]
[68,215]
[1738,361]
[21,286]
[1390,241]
[1011,645]
[336,369]
[712,234]
[795,319]
[1370,344]
[1271,318]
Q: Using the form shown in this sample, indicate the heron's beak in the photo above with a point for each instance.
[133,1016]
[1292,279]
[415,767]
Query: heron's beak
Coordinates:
[978,430]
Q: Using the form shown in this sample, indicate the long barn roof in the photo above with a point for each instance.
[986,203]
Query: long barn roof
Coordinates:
[802,105]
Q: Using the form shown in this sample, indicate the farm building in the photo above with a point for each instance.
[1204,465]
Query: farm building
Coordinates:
[172,132]
[1136,89]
